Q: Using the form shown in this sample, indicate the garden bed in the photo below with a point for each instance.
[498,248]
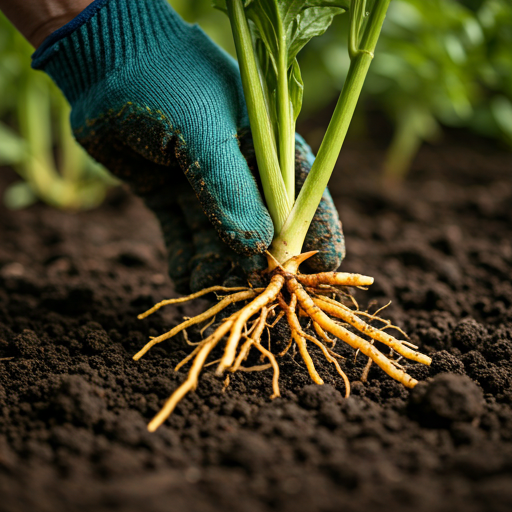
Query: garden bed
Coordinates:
[74,406]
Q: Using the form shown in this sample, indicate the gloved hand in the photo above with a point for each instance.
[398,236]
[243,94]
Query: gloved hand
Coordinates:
[156,101]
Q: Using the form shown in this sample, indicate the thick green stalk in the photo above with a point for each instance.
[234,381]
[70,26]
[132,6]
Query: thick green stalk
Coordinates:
[278,203]
[285,120]
[289,241]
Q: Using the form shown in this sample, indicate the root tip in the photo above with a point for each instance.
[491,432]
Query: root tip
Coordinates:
[411,383]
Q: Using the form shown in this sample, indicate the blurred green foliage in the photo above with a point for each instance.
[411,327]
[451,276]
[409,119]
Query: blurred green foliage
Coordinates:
[439,62]
[212,21]
[35,136]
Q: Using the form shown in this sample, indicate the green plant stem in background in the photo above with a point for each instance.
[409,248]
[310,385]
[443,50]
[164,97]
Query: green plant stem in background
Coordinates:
[71,158]
[289,241]
[278,202]
[414,125]
[34,116]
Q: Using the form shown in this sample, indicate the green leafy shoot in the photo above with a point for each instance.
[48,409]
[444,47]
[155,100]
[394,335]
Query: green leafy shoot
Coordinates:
[279,30]
[268,35]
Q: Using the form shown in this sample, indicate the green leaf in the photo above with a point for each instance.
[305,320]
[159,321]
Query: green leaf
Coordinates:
[298,20]
[267,25]
[286,26]
[501,109]
[221,5]
[313,19]
[296,88]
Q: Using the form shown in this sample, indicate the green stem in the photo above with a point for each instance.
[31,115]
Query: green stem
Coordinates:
[278,203]
[291,238]
[285,123]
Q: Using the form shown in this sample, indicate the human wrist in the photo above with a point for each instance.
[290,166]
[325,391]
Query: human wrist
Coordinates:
[41,31]
[37,19]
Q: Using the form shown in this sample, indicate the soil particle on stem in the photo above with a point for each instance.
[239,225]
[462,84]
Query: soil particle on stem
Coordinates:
[74,406]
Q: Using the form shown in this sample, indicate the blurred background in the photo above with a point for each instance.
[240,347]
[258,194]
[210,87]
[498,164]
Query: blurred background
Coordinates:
[440,63]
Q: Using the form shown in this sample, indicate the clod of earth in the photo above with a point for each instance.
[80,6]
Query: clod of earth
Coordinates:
[294,296]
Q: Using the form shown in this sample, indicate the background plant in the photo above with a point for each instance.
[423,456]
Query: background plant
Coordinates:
[35,136]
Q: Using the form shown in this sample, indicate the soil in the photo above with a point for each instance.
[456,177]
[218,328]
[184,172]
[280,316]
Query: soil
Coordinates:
[74,405]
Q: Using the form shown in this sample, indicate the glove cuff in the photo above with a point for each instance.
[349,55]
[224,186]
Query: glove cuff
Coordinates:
[104,37]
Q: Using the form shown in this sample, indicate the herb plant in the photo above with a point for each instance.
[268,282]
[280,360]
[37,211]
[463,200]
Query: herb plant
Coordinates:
[268,34]
[280,30]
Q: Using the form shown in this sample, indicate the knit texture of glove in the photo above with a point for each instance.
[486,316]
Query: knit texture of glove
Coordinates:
[159,104]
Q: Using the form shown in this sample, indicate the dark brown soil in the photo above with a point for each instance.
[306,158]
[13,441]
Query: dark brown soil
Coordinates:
[73,405]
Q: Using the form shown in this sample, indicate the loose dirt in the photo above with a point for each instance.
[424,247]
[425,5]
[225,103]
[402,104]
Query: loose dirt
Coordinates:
[74,405]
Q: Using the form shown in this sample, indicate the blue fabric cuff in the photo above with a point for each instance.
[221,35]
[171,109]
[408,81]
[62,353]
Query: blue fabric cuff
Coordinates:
[45,50]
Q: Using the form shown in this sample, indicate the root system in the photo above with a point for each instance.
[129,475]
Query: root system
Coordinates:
[296,296]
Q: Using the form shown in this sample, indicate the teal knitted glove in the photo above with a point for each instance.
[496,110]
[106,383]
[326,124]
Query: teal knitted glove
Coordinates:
[155,101]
